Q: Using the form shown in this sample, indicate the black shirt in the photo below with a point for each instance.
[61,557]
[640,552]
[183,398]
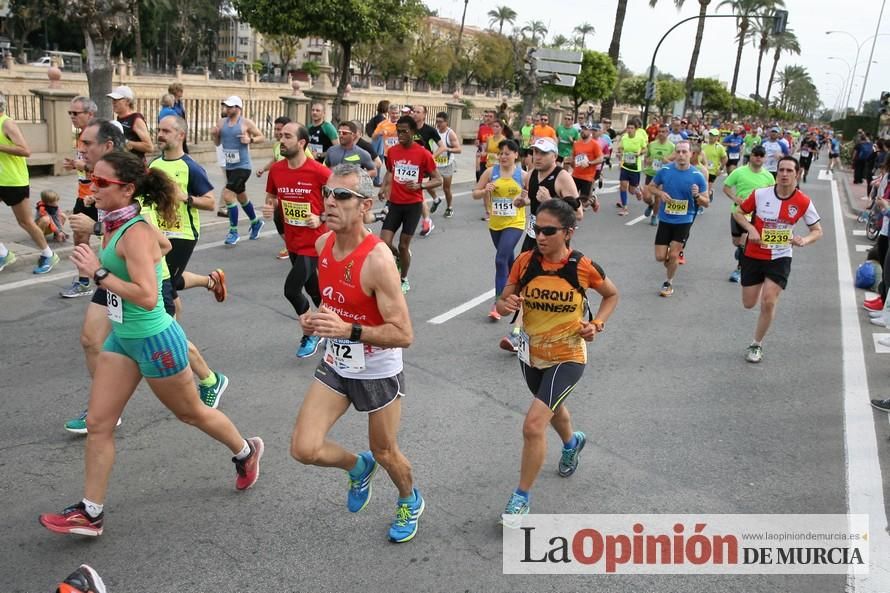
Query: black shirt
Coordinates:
[428,137]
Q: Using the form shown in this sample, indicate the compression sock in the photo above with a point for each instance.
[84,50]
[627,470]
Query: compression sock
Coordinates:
[248,210]
[233,216]
[623,195]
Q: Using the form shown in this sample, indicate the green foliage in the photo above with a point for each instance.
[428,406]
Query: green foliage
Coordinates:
[632,91]
[501,15]
[871,108]
[715,98]
[432,56]
[747,107]
[668,92]
[491,62]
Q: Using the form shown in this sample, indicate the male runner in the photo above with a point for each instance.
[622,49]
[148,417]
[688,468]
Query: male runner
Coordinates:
[715,155]
[676,186]
[630,154]
[752,139]
[659,153]
[766,263]
[808,149]
[734,143]
[566,135]
[775,148]
[365,320]
[428,137]
[322,133]
[446,162]
[737,187]
[586,158]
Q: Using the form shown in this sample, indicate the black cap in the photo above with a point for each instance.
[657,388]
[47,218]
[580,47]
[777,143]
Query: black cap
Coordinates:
[758,151]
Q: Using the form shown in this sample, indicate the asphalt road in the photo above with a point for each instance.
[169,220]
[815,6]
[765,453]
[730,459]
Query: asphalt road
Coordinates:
[677,422]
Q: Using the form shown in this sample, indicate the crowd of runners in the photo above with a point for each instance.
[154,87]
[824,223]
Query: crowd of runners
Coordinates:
[325,187]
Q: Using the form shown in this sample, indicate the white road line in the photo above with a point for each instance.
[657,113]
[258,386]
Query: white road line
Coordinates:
[858,232]
[451,314]
[636,220]
[865,492]
[880,348]
[863,248]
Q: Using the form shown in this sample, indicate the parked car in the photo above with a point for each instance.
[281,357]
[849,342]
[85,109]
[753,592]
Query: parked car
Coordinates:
[46,62]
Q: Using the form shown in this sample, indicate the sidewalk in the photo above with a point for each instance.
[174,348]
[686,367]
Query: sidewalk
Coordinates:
[18,241]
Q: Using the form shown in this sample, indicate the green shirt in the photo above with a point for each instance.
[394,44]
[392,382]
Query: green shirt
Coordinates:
[566,137]
[632,151]
[658,154]
[13,168]
[743,180]
[751,140]
[193,182]
[714,153]
[526,133]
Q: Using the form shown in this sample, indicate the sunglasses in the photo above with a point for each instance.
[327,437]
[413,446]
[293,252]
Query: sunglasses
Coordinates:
[547,231]
[340,193]
[73,113]
[103,182]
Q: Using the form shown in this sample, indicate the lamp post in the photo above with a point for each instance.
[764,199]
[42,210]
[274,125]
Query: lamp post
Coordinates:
[871,55]
[859,47]
[850,69]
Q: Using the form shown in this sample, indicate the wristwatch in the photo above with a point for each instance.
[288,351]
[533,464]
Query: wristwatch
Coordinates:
[356,335]
[97,228]
[100,275]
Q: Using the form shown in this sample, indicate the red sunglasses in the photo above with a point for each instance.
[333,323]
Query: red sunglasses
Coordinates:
[102,182]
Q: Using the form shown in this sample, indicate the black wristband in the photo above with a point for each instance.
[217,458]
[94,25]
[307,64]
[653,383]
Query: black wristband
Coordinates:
[356,335]
[97,229]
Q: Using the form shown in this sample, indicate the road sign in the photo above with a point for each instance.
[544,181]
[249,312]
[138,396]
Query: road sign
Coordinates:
[545,66]
[557,67]
[545,53]
[558,79]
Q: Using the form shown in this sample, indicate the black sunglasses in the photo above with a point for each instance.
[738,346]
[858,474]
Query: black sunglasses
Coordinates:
[340,193]
[547,231]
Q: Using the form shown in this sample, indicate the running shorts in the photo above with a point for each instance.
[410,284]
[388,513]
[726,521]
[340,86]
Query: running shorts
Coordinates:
[158,356]
[755,271]
[553,384]
[367,395]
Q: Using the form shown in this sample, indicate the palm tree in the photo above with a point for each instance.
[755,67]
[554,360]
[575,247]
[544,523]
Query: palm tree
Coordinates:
[584,29]
[782,43]
[560,41]
[535,28]
[614,50]
[762,32]
[696,48]
[501,15]
[745,10]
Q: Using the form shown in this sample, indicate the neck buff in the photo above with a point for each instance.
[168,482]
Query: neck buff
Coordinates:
[114,219]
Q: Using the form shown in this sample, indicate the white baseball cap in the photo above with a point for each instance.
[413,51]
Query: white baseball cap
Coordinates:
[233,101]
[122,92]
[545,145]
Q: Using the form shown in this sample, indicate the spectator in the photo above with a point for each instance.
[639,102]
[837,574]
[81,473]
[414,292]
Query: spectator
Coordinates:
[49,217]
[175,89]
[167,107]
[863,151]
[382,110]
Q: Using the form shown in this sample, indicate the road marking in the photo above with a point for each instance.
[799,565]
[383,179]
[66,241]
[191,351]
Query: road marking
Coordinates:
[62,275]
[858,232]
[880,348]
[865,492]
[636,220]
[825,175]
[452,313]
[862,248]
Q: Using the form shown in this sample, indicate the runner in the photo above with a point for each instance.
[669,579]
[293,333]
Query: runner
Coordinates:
[276,156]
[15,187]
[366,323]
[322,133]
[766,263]
[715,154]
[145,341]
[481,142]
[834,151]
[659,153]
[606,146]
[386,130]
[566,135]
[503,184]
[546,181]
[630,154]
[808,148]
[584,165]
[737,187]
[775,149]
[549,286]
[428,137]
[446,162]
[525,135]
[136,133]
[734,143]
[752,139]
[294,188]
[407,166]
[235,134]
[677,187]
[676,133]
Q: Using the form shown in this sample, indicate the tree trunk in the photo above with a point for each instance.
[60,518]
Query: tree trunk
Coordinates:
[762,52]
[772,76]
[345,58]
[693,62]
[137,36]
[614,49]
[743,29]
[100,72]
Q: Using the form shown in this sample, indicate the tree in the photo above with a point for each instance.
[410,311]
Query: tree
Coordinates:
[285,46]
[667,92]
[744,11]
[614,50]
[715,97]
[431,57]
[535,29]
[25,17]
[559,41]
[501,15]
[346,22]
[583,30]
[595,82]
[762,33]
[101,22]
[871,108]
[492,62]
[783,42]
[632,91]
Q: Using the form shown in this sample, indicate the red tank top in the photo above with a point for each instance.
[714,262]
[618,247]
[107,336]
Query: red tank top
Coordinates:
[340,283]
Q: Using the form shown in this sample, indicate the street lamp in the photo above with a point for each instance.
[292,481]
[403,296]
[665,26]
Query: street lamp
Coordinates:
[850,71]
[859,47]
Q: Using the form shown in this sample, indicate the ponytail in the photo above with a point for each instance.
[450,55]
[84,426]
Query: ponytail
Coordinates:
[156,188]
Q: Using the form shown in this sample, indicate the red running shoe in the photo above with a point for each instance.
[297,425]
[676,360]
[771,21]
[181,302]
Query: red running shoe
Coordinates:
[249,469]
[875,304]
[73,520]
[218,277]
[682,259]
[83,580]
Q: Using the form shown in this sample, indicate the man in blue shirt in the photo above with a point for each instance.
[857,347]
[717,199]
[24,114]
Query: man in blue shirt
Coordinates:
[679,189]
[733,143]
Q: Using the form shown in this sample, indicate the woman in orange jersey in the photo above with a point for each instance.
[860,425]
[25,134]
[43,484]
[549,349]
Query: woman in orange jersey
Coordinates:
[549,284]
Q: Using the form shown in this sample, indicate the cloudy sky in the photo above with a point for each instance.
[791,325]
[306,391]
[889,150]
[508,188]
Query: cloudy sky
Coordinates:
[643,26]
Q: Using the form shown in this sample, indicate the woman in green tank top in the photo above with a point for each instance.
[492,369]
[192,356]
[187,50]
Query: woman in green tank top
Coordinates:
[145,342]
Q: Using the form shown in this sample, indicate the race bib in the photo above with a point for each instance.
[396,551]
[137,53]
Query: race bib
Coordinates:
[442,159]
[316,148]
[734,155]
[407,173]
[805,154]
[522,348]
[529,229]
[345,355]
[656,164]
[581,160]
[233,157]
[390,141]
[776,236]
[503,207]
[171,229]
[296,213]
[676,207]
[115,307]
[630,158]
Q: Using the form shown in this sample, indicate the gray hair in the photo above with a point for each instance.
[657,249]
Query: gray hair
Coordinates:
[167,100]
[108,130]
[365,183]
[86,104]
[178,123]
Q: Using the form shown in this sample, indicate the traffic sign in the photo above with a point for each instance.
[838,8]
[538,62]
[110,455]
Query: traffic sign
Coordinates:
[559,55]
[558,67]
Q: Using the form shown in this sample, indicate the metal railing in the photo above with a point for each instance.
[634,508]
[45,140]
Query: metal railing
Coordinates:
[25,108]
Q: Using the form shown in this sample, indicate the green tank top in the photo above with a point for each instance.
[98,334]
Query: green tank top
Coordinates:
[127,319]
[13,169]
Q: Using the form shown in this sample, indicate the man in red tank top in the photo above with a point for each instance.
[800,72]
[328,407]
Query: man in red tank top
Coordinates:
[364,318]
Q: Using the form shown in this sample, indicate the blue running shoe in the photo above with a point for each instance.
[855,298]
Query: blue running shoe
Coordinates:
[648,211]
[308,346]
[255,227]
[211,394]
[360,490]
[404,527]
[232,238]
[736,276]
[45,264]
[516,507]
[568,463]
[6,260]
